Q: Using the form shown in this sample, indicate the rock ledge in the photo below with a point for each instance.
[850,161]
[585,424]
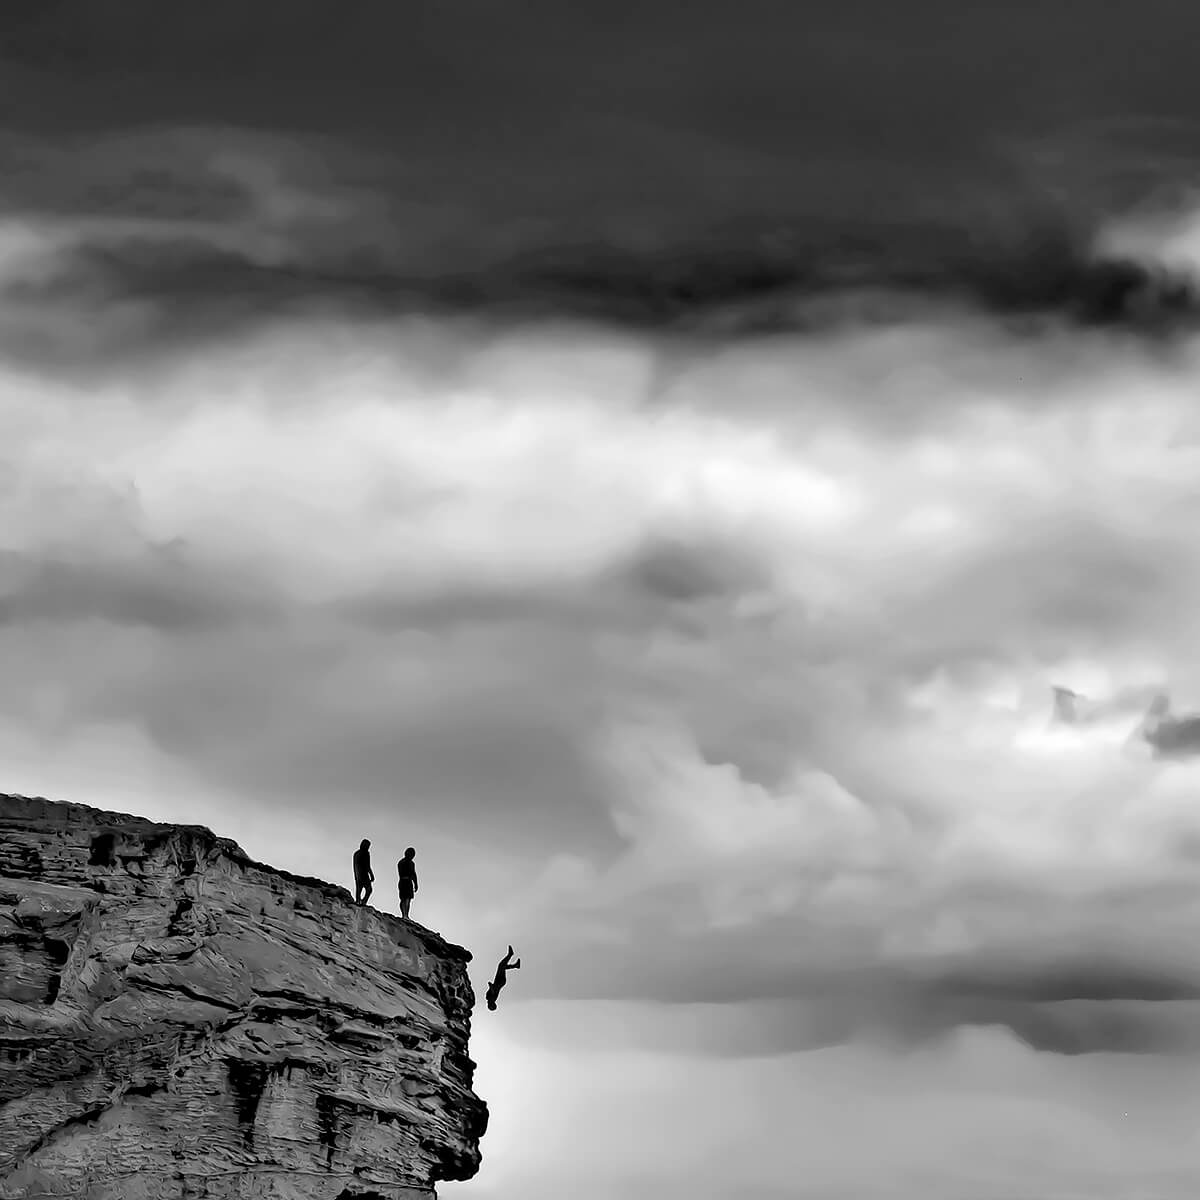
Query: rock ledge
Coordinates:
[178,1020]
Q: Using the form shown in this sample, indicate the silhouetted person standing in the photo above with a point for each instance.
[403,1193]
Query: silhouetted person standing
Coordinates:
[363,875]
[406,870]
[506,964]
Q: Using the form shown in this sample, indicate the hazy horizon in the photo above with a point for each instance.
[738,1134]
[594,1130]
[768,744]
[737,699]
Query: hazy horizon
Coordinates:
[659,461]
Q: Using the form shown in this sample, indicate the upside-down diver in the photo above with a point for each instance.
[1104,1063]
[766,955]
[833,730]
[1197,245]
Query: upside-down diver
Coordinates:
[506,964]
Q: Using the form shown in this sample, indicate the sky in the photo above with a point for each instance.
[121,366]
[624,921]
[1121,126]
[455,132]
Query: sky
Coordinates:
[719,479]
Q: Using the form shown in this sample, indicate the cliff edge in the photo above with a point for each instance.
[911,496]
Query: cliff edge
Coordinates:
[177,1020]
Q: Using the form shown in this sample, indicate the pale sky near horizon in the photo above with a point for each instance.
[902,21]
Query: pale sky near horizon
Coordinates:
[657,460]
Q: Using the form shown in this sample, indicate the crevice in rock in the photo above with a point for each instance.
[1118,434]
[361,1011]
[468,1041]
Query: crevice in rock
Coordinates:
[87,1117]
[327,1125]
[248,1080]
[58,952]
[167,989]
[28,863]
[183,906]
[103,845]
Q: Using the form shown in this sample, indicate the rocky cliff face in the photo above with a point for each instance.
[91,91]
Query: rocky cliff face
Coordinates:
[179,1021]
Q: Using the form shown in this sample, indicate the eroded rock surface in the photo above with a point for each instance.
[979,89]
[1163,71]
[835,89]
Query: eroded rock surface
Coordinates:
[179,1021]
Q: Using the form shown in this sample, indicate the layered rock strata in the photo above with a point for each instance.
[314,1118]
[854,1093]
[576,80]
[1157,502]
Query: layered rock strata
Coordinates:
[177,1021]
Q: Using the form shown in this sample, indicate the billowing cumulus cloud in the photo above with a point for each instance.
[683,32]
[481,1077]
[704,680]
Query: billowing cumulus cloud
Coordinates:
[744,732]
[774,616]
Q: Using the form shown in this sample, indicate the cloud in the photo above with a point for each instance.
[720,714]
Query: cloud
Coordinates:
[870,922]
[178,210]
[709,661]
[127,288]
[398,530]
[1170,735]
[165,596]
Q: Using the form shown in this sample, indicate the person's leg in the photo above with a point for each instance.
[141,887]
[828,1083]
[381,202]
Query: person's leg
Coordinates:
[404,903]
[367,890]
[358,887]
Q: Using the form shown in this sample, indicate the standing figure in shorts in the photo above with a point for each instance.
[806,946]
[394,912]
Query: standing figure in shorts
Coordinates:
[406,883]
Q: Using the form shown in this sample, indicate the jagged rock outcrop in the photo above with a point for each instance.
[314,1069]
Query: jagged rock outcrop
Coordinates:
[177,1020]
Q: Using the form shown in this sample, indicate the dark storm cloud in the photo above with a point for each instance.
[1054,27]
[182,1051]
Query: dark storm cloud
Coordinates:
[1089,1004]
[661,165]
[150,296]
[1072,1027]
[1092,1006]
[1097,1007]
[137,175]
[185,290]
[833,77]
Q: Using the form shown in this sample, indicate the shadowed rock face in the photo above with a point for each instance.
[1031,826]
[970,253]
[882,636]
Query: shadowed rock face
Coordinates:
[179,1021]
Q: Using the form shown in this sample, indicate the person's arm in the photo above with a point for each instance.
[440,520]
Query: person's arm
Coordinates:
[414,879]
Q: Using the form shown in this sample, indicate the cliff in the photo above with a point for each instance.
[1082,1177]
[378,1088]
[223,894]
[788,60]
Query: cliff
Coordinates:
[177,1020]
